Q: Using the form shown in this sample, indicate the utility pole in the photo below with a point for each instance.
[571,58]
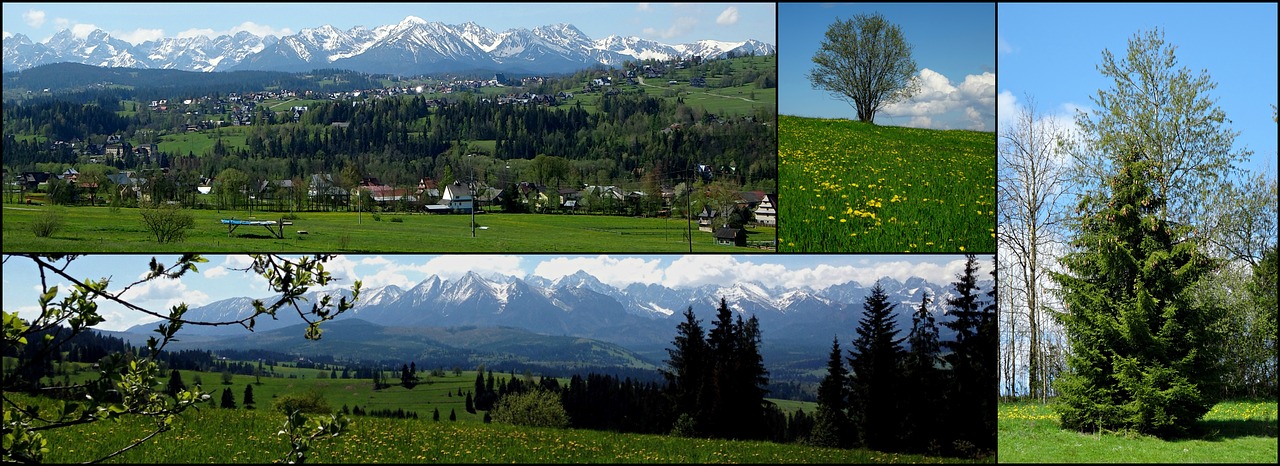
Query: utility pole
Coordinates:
[688,213]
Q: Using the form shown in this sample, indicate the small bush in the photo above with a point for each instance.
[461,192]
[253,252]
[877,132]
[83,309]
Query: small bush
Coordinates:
[397,220]
[168,222]
[309,402]
[47,224]
[538,408]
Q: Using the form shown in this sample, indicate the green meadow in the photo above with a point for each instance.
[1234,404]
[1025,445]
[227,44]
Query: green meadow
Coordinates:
[215,435]
[847,186]
[103,229]
[1232,432]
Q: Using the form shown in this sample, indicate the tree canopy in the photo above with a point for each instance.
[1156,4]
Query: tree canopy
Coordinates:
[866,62]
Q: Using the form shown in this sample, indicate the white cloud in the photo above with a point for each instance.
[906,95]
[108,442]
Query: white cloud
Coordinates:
[250,26]
[1003,46]
[681,26]
[34,18]
[941,105]
[139,36]
[82,30]
[609,270]
[455,266]
[644,6]
[728,16]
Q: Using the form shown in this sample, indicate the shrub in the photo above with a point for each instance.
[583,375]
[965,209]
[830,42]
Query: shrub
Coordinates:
[309,402]
[46,225]
[537,408]
[168,222]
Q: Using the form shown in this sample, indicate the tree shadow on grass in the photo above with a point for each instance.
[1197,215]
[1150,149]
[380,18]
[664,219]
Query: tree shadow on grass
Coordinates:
[1217,430]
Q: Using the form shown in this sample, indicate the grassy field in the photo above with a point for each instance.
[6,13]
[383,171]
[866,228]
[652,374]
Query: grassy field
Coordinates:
[1232,432]
[846,186]
[248,436]
[99,229]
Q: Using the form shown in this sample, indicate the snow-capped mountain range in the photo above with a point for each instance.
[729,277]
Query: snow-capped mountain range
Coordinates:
[413,46]
[580,305]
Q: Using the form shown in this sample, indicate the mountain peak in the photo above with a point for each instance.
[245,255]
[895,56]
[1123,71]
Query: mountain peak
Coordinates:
[412,21]
[412,46]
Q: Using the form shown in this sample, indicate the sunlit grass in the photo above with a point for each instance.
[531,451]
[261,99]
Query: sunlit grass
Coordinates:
[1232,432]
[846,186]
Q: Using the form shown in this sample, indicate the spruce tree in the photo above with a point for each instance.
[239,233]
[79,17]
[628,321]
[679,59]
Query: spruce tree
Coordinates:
[435,414]
[972,359]
[687,378]
[923,399]
[228,399]
[248,396]
[875,361]
[1142,355]
[831,424]
[175,383]
[453,416]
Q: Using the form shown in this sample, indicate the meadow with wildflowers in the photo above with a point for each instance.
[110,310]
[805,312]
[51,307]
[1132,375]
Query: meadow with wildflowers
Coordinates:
[1232,432]
[847,186]
[212,435]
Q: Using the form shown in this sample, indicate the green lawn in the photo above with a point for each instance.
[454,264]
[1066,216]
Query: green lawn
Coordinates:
[100,229]
[1232,432]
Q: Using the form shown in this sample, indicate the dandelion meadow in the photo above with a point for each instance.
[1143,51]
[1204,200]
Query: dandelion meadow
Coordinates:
[1232,432]
[847,186]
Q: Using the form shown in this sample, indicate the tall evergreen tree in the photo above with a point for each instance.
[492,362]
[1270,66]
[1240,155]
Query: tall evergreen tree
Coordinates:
[875,361]
[923,401]
[749,381]
[1142,355]
[973,388]
[687,378]
[831,424]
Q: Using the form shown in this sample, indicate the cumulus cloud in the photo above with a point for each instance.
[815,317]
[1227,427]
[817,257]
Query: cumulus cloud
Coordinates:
[249,26]
[940,104]
[34,18]
[609,270]
[728,16]
[139,36]
[82,30]
[455,266]
[680,26]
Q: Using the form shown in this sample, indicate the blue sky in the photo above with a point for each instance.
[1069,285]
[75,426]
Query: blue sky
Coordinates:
[1050,52]
[138,22]
[954,41]
[217,280]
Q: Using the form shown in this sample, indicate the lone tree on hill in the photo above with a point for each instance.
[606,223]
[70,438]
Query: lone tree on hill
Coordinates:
[865,61]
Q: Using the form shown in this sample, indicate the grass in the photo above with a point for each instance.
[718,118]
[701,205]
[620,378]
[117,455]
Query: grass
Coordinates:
[846,186]
[249,436]
[99,229]
[1232,432]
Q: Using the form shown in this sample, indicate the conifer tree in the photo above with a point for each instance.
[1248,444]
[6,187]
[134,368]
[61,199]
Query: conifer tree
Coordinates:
[228,399]
[831,424]
[973,387]
[248,396]
[922,396]
[453,416]
[687,377]
[435,414]
[1142,355]
[875,361]
[175,383]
